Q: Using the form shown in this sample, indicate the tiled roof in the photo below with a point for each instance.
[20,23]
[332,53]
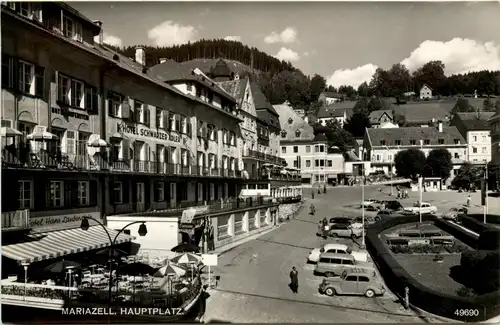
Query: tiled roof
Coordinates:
[423,112]
[291,122]
[331,94]
[376,115]
[473,121]
[337,109]
[206,65]
[260,100]
[172,71]
[221,69]
[407,134]
[475,116]
[235,88]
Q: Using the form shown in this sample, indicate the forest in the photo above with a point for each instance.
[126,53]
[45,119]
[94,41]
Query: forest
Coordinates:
[281,81]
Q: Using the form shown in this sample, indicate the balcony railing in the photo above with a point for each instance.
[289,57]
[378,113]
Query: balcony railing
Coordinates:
[45,160]
[19,219]
[274,176]
[264,157]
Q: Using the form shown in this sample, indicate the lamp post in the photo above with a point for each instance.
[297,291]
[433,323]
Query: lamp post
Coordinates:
[420,185]
[363,209]
[142,232]
[391,160]
[25,265]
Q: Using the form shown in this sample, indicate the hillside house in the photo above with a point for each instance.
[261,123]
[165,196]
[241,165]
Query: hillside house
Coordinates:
[425,92]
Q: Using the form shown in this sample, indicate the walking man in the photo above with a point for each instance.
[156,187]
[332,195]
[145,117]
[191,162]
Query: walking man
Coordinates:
[312,194]
[468,200]
[294,280]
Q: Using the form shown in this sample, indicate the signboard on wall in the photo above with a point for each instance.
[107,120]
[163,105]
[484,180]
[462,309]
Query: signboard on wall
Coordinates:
[146,132]
[64,221]
[209,259]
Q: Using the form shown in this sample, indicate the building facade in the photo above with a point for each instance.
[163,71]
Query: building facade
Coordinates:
[475,129]
[381,145]
[425,92]
[494,123]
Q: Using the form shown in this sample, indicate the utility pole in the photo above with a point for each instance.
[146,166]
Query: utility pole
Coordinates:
[363,208]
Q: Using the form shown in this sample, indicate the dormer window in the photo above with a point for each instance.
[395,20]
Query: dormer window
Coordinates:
[290,120]
[382,142]
[283,134]
[456,141]
[72,29]
[427,141]
[297,133]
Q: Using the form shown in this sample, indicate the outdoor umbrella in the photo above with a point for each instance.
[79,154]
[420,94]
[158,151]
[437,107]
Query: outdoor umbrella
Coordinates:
[135,269]
[61,266]
[186,258]
[186,248]
[98,143]
[42,136]
[169,269]
[10,132]
[116,253]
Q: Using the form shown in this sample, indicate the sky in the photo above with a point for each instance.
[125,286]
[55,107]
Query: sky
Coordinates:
[344,42]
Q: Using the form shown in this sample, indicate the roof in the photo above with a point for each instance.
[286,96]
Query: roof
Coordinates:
[260,100]
[406,134]
[337,109]
[235,88]
[376,115]
[220,70]
[425,85]
[422,112]
[320,137]
[474,121]
[291,122]
[331,94]
[172,71]
[206,65]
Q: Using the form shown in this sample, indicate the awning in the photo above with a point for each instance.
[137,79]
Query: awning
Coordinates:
[48,245]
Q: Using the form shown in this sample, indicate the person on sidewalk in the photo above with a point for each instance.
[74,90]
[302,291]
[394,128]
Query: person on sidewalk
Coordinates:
[294,280]
[313,209]
[312,194]
[468,200]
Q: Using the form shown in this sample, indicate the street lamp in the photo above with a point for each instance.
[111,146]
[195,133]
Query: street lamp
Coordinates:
[142,232]
[391,160]
[363,209]
[25,265]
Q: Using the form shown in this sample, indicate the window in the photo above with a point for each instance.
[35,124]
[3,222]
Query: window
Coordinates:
[295,164]
[91,98]
[474,138]
[347,262]
[83,193]
[483,150]
[72,29]
[232,138]
[283,149]
[115,104]
[160,191]
[351,278]
[159,118]
[316,148]
[321,148]
[413,142]
[440,141]
[427,141]
[330,163]
[474,150]
[308,163]
[308,149]
[295,149]
[456,141]
[31,78]
[378,158]
[212,133]
[184,124]
[70,142]
[56,194]
[484,138]
[382,142]
[29,10]
[77,93]
[398,142]
[25,194]
[322,163]
[316,162]
[117,193]
[290,120]
[456,155]
[363,279]
[171,121]
[297,133]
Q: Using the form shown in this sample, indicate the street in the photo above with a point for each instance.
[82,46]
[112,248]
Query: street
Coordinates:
[254,277]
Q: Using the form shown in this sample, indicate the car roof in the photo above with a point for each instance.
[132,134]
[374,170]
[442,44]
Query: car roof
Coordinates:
[335,246]
[333,255]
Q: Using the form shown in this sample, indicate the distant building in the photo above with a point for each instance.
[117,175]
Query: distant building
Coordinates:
[329,97]
[475,129]
[377,118]
[425,92]
[337,111]
[494,123]
[422,113]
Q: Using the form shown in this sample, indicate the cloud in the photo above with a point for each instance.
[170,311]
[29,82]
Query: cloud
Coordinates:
[286,36]
[354,77]
[169,33]
[287,55]
[112,40]
[233,38]
[458,55]
[305,54]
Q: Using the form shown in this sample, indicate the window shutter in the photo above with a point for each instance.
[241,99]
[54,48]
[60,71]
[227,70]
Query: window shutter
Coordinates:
[73,193]
[93,193]
[39,82]
[47,194]
[68,195]
[125,149]
[158,117]
[177,122]
[189,126]
[165,117]
[15,73]
[147,150]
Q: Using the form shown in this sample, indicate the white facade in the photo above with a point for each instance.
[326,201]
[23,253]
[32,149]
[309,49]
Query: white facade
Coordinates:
[479,147]
[425,92]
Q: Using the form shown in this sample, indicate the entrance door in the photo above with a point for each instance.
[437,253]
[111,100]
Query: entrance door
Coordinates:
[140,197]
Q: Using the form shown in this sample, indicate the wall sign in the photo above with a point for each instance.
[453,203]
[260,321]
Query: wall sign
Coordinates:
[65,221]
[144,132]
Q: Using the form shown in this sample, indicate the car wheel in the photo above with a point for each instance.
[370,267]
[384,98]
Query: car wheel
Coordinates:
[377,218]
[330,292]
[329,274]
[369,293]
[333,234]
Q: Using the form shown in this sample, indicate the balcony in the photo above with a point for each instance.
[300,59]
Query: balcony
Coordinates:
[263,157]
[15,220]
[275,176]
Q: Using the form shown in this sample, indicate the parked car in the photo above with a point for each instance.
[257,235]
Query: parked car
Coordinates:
[382,214]
[336,249]
[393,205]
[369,202]
[368,220]
[331,264]
[353,282]
[345,230]
[423,208]
[454,214]
[335,220]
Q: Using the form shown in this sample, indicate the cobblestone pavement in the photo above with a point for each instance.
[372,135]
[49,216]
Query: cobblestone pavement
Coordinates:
[254,277]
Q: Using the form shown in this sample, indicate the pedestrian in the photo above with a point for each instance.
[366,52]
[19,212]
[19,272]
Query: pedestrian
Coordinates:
[319,191]
[313,209]
[406,194]
[294,280]
[468,200]
[312,194]
[324,189]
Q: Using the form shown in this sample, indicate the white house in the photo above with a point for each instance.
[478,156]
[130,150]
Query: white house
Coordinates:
[425,92]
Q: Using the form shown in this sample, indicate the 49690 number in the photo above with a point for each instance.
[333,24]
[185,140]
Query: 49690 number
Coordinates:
[467,312]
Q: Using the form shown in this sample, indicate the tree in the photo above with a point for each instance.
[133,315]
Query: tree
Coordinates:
[488,105]
[468,176]
[357,124]
[348,91]
[400,120]
[438,164]
[363,89]
[380,85]
[361,105]
[431,74]
[336,135]
[462,106]
[410,163]
[400,80]
[317,86]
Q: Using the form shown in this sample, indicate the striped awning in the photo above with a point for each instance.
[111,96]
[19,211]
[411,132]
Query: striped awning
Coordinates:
[47,245]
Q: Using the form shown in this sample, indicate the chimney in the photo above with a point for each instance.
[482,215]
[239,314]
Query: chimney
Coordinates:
[99,39]
[163,60]
[140,55]
[440,126]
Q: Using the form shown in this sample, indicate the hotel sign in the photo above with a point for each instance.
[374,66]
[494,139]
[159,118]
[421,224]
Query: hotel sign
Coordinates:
[144,132]
[59,222]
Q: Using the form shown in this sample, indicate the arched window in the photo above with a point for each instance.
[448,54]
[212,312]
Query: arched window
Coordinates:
[297,133]
[283,134]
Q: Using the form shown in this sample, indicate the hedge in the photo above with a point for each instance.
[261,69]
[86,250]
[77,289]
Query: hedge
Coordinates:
[490,218]
[457,232]
[489,240]
[473,223]
[422,297]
